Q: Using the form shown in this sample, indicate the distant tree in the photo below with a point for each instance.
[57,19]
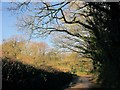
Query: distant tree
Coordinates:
[38,50]
[0,50]
[54,55]
[12,47]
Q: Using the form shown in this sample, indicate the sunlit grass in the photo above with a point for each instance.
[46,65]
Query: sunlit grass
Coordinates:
[66,65]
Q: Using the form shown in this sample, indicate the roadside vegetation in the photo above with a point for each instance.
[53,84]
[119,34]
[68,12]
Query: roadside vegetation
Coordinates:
[36,65]
[17,75]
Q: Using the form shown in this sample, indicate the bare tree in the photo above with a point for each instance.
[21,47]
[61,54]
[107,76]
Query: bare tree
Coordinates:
[70,19]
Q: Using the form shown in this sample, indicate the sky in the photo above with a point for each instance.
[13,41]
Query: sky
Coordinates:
[0,23]
[8,23]
[8,26]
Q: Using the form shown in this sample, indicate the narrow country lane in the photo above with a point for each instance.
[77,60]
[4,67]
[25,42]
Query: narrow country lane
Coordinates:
[81,82]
